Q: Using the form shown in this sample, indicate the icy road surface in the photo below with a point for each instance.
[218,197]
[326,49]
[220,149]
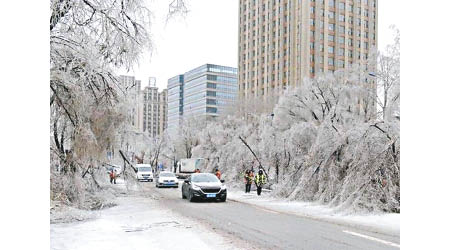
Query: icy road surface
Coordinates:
[137,222]
[159,219]
[271,229]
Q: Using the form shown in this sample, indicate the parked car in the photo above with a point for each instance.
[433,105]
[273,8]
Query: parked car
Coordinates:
[166,179]
[144,172]
[204,186]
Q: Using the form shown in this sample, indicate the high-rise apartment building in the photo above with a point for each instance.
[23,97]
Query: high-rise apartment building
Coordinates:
[132,89]
[283,41]
[155,110]
[203,92]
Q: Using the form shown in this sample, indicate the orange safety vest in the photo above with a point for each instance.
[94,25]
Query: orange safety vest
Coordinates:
[218,174]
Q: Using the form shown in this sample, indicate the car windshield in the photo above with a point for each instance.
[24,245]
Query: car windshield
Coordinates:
[204,178]
[144,169]
[166,175]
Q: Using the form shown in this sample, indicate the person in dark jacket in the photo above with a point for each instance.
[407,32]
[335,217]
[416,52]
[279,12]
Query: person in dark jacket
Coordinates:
[260,179]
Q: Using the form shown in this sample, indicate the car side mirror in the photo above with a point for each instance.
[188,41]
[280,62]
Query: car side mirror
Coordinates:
[186,181]
[222,181]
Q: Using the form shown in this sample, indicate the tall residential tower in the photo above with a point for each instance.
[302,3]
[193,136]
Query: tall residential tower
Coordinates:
[155,109]
[283,41]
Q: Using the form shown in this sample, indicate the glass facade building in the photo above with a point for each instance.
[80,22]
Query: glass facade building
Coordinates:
[204,91]
[175,102]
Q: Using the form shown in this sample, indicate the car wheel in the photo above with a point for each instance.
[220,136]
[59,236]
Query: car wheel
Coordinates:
[182,195]
[190,197]
[223,199]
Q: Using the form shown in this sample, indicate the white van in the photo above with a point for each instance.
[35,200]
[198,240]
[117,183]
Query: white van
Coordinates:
[144,172]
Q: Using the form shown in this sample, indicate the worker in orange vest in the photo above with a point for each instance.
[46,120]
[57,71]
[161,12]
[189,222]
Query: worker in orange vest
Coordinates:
[218,174]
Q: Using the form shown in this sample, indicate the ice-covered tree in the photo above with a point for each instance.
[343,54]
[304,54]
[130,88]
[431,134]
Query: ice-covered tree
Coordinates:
[89,41]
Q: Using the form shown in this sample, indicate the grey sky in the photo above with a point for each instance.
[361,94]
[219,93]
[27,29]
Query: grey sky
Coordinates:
[209,34]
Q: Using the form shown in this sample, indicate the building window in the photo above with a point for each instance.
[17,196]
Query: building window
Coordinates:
[312,10]
[211,101]
[331,26]
[330,61]
[341,40]
[341,18]
[342,6]
[340,63]
[321,36]
[330,38]
[330,49]
[331,3]
[311,22]
[341,29]
[341,51]
[331,14]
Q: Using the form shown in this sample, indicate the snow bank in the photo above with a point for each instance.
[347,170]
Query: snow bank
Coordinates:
[387,223]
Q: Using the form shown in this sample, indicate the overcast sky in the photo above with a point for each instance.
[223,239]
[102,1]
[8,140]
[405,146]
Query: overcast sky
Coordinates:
[209,34]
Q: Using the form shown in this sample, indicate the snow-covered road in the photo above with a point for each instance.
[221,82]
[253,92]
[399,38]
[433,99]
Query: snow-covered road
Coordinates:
[137,222]
[159,219]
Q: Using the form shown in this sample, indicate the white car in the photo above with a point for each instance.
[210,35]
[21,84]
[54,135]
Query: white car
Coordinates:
[144,172]
[166,179]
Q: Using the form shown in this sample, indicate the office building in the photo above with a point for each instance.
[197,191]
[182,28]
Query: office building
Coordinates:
[283,41]
[204,92]
[175,102]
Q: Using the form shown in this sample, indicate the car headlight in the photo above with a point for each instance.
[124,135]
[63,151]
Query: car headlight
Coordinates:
[224,187]
[195,187]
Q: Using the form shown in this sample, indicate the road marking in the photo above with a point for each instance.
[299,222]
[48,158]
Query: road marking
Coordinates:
[373,238]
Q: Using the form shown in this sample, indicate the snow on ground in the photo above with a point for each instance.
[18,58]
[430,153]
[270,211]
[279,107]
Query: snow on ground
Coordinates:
[136,223]
[388,223]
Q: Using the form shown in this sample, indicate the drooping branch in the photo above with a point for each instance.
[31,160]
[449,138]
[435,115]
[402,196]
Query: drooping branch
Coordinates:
[256,157]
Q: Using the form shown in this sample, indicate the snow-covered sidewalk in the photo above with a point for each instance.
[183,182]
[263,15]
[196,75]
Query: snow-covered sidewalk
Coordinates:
[380,223]
[135,223]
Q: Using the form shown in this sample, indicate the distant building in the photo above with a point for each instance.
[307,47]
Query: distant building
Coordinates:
[175,102]
[132,89]
[154,110]
[203,92]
